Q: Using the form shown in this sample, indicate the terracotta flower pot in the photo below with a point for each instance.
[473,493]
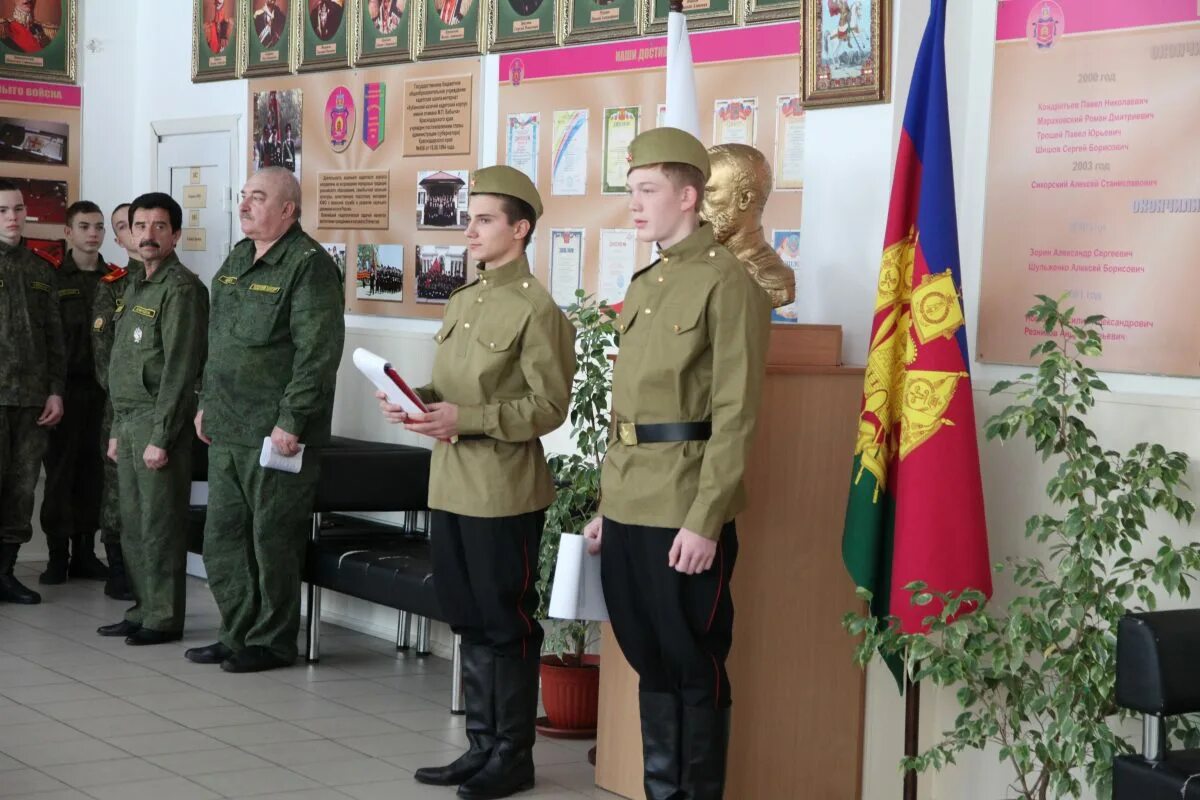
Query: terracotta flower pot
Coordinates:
[570,694]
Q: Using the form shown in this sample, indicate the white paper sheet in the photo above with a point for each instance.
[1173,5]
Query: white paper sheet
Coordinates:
[577,593]
[269,458]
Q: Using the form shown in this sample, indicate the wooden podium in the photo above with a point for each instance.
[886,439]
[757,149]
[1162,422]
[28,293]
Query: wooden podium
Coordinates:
[798,698]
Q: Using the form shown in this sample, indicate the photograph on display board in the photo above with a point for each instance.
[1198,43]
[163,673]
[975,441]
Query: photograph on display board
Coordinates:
[755,11]
[277,121]
[37,39]
[451,28]
[267,45]
[736,121]
[440,270]
[442,200]
[34,141]
[324,34]
[380,272]
[847,52]
[699,13]
[789,143]
[214,40]
[787,247]
[522,24]
[337,251]
[45,201]
[601,20]
[382,32]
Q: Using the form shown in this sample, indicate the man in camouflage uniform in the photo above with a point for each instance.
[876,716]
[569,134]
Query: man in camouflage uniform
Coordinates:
[32,375]
[110,296]
[277,333]
[74,463]
[158,353]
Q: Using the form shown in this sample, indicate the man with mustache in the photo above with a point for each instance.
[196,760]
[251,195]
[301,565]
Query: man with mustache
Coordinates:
[269,22]
[160,342]
[23,32]
[32,376]
[277,334]
[74,464]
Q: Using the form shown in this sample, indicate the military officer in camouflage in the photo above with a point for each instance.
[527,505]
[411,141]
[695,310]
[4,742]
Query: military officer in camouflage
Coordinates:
[74,461]
[110,296]
[159,344]
[277,333]
[501,379]
[686,387]
[33,373]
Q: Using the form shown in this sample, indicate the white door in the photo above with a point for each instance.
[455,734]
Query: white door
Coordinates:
[195,169]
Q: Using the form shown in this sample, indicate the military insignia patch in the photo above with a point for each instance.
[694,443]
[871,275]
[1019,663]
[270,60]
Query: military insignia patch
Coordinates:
[228,280]
[120,306]
[145,312]
[69,293]
[262,287]
[137,335]
[41,287]
[98,325]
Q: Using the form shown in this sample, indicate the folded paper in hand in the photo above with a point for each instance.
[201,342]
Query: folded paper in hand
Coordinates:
[577,593]
[388,381]
[269,458]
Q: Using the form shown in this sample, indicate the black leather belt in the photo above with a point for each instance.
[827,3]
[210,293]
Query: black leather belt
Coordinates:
[630,433]
[470,437]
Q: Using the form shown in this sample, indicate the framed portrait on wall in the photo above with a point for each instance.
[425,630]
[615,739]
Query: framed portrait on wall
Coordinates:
[599,20]
[267,46]
[383,31]
[699,13]
[214,40]
[522,24]
[846,52]
[451,28]
[323,33]
[770,10]
[38,39]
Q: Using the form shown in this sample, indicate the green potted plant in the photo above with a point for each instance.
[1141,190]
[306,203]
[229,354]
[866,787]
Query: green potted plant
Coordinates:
[1036,678]
[571,677]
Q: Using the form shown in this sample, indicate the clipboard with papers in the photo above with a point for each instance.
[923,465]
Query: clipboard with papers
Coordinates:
[387,380]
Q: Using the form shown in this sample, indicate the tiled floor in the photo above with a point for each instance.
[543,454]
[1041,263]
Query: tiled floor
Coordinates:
[82,716]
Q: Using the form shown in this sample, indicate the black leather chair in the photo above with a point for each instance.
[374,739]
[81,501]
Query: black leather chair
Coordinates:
[1158,656]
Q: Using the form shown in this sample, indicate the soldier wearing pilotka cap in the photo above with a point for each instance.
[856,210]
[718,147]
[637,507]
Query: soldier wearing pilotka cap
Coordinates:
[501,379]
[686,386]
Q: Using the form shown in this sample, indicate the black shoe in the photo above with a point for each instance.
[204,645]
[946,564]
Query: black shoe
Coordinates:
[509,769]
[56,568]
[84,563]
[11,589]
[212,654]
[478,675]
[254,659]
[662,745]
[117,585]
[705,741]
[122,628]
[145,636]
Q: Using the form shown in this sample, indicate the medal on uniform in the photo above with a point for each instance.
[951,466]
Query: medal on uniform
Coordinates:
[137,335]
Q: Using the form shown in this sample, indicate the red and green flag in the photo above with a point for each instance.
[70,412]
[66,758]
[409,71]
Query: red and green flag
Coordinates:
[915,511]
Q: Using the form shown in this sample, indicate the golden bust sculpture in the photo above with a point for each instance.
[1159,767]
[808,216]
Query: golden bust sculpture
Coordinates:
[734,200]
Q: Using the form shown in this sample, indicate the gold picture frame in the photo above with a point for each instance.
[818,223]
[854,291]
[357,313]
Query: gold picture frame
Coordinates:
[320,51]
[44,50]
[756,11]
[215,40]
[390,42]
[700,14]
[585,21]
[464,35]
[510,27]
[272,52]
[847,53]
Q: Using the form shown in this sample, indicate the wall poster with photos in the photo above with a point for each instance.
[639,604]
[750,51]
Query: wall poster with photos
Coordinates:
[408,267]
[215,46]
[323,34]
[38,40]
[40,127]
[269,37]
[383,31]
[847,52]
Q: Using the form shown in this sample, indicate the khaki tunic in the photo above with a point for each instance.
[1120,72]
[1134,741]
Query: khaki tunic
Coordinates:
[506,358]
[693,339]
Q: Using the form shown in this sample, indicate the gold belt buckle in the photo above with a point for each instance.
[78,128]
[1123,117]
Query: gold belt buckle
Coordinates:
[627,433]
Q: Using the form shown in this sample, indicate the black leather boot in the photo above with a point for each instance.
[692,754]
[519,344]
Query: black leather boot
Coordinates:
[57,566]
[705,742]
[117,585]
[84,563]
[478,676]
[510,768]
[11,589]
[661,745]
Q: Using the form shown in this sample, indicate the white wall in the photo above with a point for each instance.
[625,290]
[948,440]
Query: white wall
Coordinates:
[140,73]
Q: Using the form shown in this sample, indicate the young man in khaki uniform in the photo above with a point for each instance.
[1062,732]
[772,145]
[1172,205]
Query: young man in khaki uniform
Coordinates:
[160,341]
[686,387]
[501,379]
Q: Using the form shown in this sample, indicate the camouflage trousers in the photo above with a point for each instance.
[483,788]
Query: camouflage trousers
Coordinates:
[255,537]
[154,506]
[74,469]
[22,446]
